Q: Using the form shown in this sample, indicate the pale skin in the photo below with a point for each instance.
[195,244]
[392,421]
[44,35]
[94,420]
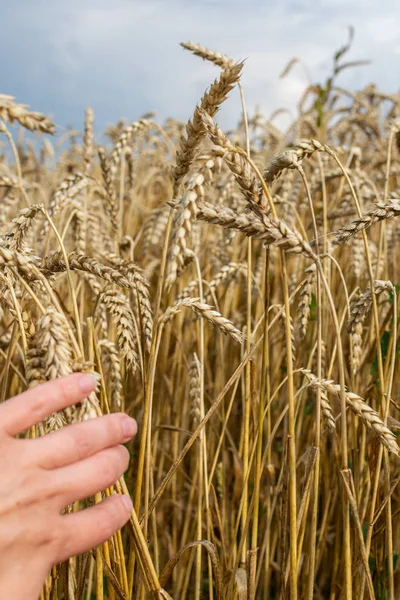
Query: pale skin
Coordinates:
[38,478]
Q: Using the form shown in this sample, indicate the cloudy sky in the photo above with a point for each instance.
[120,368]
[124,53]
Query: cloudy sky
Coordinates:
[123,57]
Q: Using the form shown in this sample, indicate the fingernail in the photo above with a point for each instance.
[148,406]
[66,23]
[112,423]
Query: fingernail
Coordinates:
[129,427]
[87,383]
[127,502]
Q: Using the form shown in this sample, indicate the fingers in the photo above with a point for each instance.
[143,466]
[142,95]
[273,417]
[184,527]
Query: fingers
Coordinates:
[33,406]
[89,476]
[77,442]
[83,530]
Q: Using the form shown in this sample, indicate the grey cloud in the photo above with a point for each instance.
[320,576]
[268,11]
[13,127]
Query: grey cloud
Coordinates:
[123,57]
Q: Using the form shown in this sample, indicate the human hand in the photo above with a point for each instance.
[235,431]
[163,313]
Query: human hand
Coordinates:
[38,478]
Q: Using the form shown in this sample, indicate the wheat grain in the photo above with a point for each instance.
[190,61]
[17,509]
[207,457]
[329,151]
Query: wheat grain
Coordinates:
[138,282]
[358,315]
[224,277]
[78,261]
[21,224]
[205,311]
[112,357]
[34,121]
[66,191]
[291,159]
[369,417]
[186,213]
[194,390]
[380,212]
[258,225]
[123,141]
[88,139]
[119,308]
[155,228]
[210,103]
[305,301]
[221,60]
[6,181]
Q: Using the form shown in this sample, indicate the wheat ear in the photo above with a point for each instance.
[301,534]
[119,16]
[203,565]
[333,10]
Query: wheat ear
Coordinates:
[205,311]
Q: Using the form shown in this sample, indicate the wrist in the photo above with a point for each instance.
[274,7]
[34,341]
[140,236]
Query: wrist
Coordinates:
[20,583]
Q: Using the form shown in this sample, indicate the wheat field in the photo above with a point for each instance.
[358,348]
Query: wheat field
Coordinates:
[237,293]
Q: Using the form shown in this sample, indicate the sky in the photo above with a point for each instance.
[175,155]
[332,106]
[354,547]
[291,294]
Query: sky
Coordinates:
[123,58]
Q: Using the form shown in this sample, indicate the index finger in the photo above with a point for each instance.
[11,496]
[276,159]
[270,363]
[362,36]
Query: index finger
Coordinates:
[33,406]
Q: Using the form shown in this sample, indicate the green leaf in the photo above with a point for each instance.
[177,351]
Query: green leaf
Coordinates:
[309,407]
[344,49]
[385,343]
[350,64]
[384,350]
